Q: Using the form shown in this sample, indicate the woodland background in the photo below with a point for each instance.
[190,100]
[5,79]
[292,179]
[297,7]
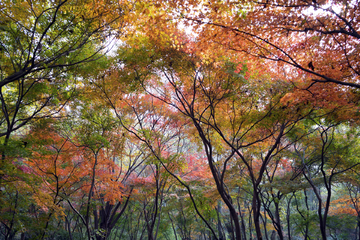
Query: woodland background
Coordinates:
[179,119]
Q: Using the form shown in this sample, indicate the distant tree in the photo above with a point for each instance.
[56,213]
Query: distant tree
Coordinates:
[329,157]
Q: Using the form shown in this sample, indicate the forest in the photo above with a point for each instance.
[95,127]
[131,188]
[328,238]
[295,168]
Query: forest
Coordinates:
[179,119]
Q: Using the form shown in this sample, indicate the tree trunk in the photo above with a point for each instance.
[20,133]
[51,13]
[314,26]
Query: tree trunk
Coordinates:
[256,213]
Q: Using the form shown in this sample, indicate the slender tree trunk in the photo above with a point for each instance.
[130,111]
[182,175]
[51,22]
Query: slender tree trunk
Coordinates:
[218,212]
[256,213]
[250,224]
[288,218]
[241,219]
[263,219]
[68,227]
[224,196]
[278,221]
[172,225]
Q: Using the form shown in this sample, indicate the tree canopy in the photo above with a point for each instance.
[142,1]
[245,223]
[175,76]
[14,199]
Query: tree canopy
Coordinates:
[179,119]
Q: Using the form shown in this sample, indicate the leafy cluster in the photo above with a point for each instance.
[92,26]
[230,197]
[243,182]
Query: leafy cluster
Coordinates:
[179,119]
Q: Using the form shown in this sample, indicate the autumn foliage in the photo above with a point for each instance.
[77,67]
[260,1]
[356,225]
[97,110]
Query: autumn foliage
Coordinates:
[179,119]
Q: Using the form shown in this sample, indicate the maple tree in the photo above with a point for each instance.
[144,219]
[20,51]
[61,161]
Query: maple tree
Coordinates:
[44,47]
[202,91]
[245,128]
[328,168]
[52,162]
[205,102]
[114,159]
[87,172]
[316,37]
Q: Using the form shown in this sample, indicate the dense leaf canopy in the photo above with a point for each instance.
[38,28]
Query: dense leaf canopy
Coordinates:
[179,119]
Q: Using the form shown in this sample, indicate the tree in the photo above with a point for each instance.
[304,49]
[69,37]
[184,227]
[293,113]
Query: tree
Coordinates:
[236,131]
[323,162]
[53,161]
[105,193]
[221,108]
[46,47]
[87,163]
[42,45]
[318,38]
